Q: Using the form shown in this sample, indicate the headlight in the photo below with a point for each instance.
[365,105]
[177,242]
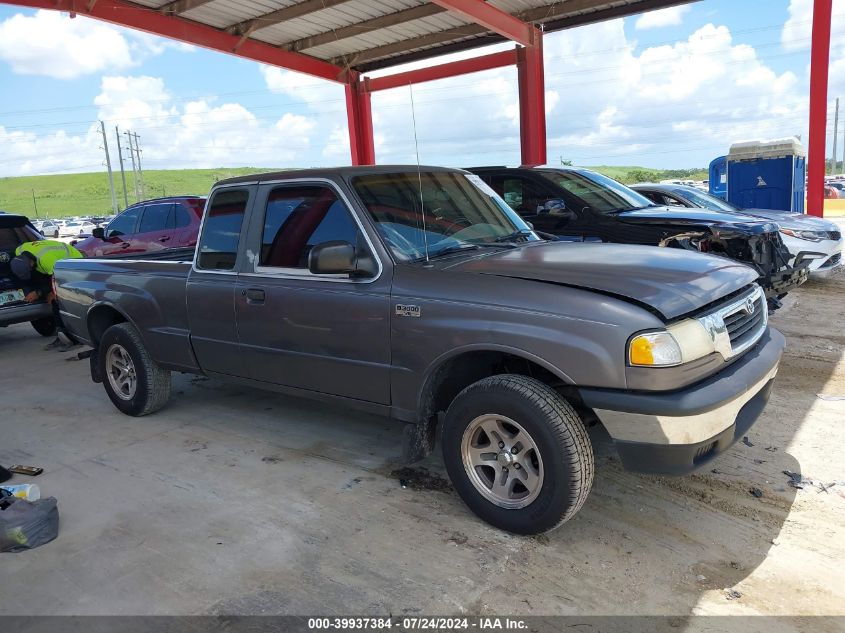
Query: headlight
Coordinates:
[812,236]
[681,342]
[654,349]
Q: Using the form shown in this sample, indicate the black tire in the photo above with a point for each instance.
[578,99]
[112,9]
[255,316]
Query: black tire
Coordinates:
[45,326]
[557,432]
[152,383]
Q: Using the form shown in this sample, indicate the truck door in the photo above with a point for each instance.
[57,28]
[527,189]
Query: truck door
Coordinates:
[211,284]
[325,333]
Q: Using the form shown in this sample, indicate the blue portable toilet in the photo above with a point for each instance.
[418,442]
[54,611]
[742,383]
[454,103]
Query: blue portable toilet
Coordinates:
[767,174]
[718,183]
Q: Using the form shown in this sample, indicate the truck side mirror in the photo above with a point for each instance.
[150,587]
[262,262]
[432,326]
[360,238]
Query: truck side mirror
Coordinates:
[99,232]
[338,258]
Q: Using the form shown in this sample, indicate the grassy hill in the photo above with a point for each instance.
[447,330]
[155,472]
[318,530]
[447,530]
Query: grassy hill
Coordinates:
[65,195]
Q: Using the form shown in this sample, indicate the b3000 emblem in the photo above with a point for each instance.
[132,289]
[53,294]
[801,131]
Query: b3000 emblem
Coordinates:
[407,310]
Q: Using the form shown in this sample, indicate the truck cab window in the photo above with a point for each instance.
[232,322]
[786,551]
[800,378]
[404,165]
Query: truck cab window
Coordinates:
[298,218]
[221,233]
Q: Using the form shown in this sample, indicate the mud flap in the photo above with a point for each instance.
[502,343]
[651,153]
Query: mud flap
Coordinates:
[93,357]
[418,441]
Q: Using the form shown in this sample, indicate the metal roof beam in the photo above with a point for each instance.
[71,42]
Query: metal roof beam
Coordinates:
[135,16]
[442,71]
[367,26]
[421,41]
[275,17]
[493,19]
[181,6]
[554,17]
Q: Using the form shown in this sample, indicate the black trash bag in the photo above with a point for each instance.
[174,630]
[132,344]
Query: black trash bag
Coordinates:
[5,475]
[27,524]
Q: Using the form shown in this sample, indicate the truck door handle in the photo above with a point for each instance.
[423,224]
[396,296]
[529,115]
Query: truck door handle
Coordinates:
[125,245]
[254,295]
[164,238]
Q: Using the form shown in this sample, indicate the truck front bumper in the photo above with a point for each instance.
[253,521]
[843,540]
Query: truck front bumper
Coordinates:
[677,432]
[778,284]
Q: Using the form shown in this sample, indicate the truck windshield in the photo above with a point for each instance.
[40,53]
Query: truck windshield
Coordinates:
[432,213]
[598,192]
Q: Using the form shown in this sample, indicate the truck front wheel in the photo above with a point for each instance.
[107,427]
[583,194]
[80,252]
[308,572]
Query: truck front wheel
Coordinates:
[517,453]
[133,381]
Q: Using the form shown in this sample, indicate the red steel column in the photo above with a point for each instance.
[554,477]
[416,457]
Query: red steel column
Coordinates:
[819,62]
[359,115]
[532,104]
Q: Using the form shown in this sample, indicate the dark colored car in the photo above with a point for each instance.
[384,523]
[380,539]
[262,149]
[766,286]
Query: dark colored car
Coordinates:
[581,205]
[417,293]
[14,231]
[154,225]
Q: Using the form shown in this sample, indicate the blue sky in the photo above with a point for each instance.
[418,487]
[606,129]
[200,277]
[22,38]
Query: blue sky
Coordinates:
[666,89]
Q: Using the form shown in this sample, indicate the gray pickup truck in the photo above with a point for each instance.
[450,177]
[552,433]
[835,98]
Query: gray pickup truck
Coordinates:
[417,293]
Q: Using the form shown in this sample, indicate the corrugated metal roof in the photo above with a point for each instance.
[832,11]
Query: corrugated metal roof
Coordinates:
[369,34]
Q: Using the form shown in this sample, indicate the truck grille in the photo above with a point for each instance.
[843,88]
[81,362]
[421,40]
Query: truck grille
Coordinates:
[742,325]
[739,323]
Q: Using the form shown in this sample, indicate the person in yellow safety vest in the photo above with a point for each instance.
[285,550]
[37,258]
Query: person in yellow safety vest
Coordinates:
[33,264]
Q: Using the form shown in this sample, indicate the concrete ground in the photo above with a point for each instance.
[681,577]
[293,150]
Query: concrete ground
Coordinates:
[234,501]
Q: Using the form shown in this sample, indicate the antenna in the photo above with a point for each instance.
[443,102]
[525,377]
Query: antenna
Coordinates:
[419,171]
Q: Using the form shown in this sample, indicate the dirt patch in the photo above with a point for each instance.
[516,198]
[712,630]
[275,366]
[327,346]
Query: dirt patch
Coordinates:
[421,478]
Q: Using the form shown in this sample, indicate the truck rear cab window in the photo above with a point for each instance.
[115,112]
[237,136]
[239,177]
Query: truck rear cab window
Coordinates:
[298,218]
[221,233]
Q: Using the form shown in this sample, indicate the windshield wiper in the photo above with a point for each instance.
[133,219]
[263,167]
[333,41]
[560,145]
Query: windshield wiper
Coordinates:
[514,236]
[449,251]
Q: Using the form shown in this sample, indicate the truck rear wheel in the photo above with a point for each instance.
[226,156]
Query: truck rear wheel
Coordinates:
[517,453]
[45,326]
[135,384]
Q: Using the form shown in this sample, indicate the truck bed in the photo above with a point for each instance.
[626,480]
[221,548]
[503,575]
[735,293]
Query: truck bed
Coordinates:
[152,296]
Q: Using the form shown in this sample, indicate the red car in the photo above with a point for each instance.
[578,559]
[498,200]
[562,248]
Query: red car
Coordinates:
[152,225]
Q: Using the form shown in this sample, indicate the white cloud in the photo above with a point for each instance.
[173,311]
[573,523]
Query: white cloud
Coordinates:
[25,152]
[52,44]
[672,16]
[799,25]
[49,43]
[173,134]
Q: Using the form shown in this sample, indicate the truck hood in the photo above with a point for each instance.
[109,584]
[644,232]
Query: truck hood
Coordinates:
[686,217]
[670,281]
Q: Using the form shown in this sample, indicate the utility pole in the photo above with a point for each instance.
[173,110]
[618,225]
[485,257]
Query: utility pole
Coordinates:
[122,171]
[134,169]
[140,172]
[835,133]
[108,166]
